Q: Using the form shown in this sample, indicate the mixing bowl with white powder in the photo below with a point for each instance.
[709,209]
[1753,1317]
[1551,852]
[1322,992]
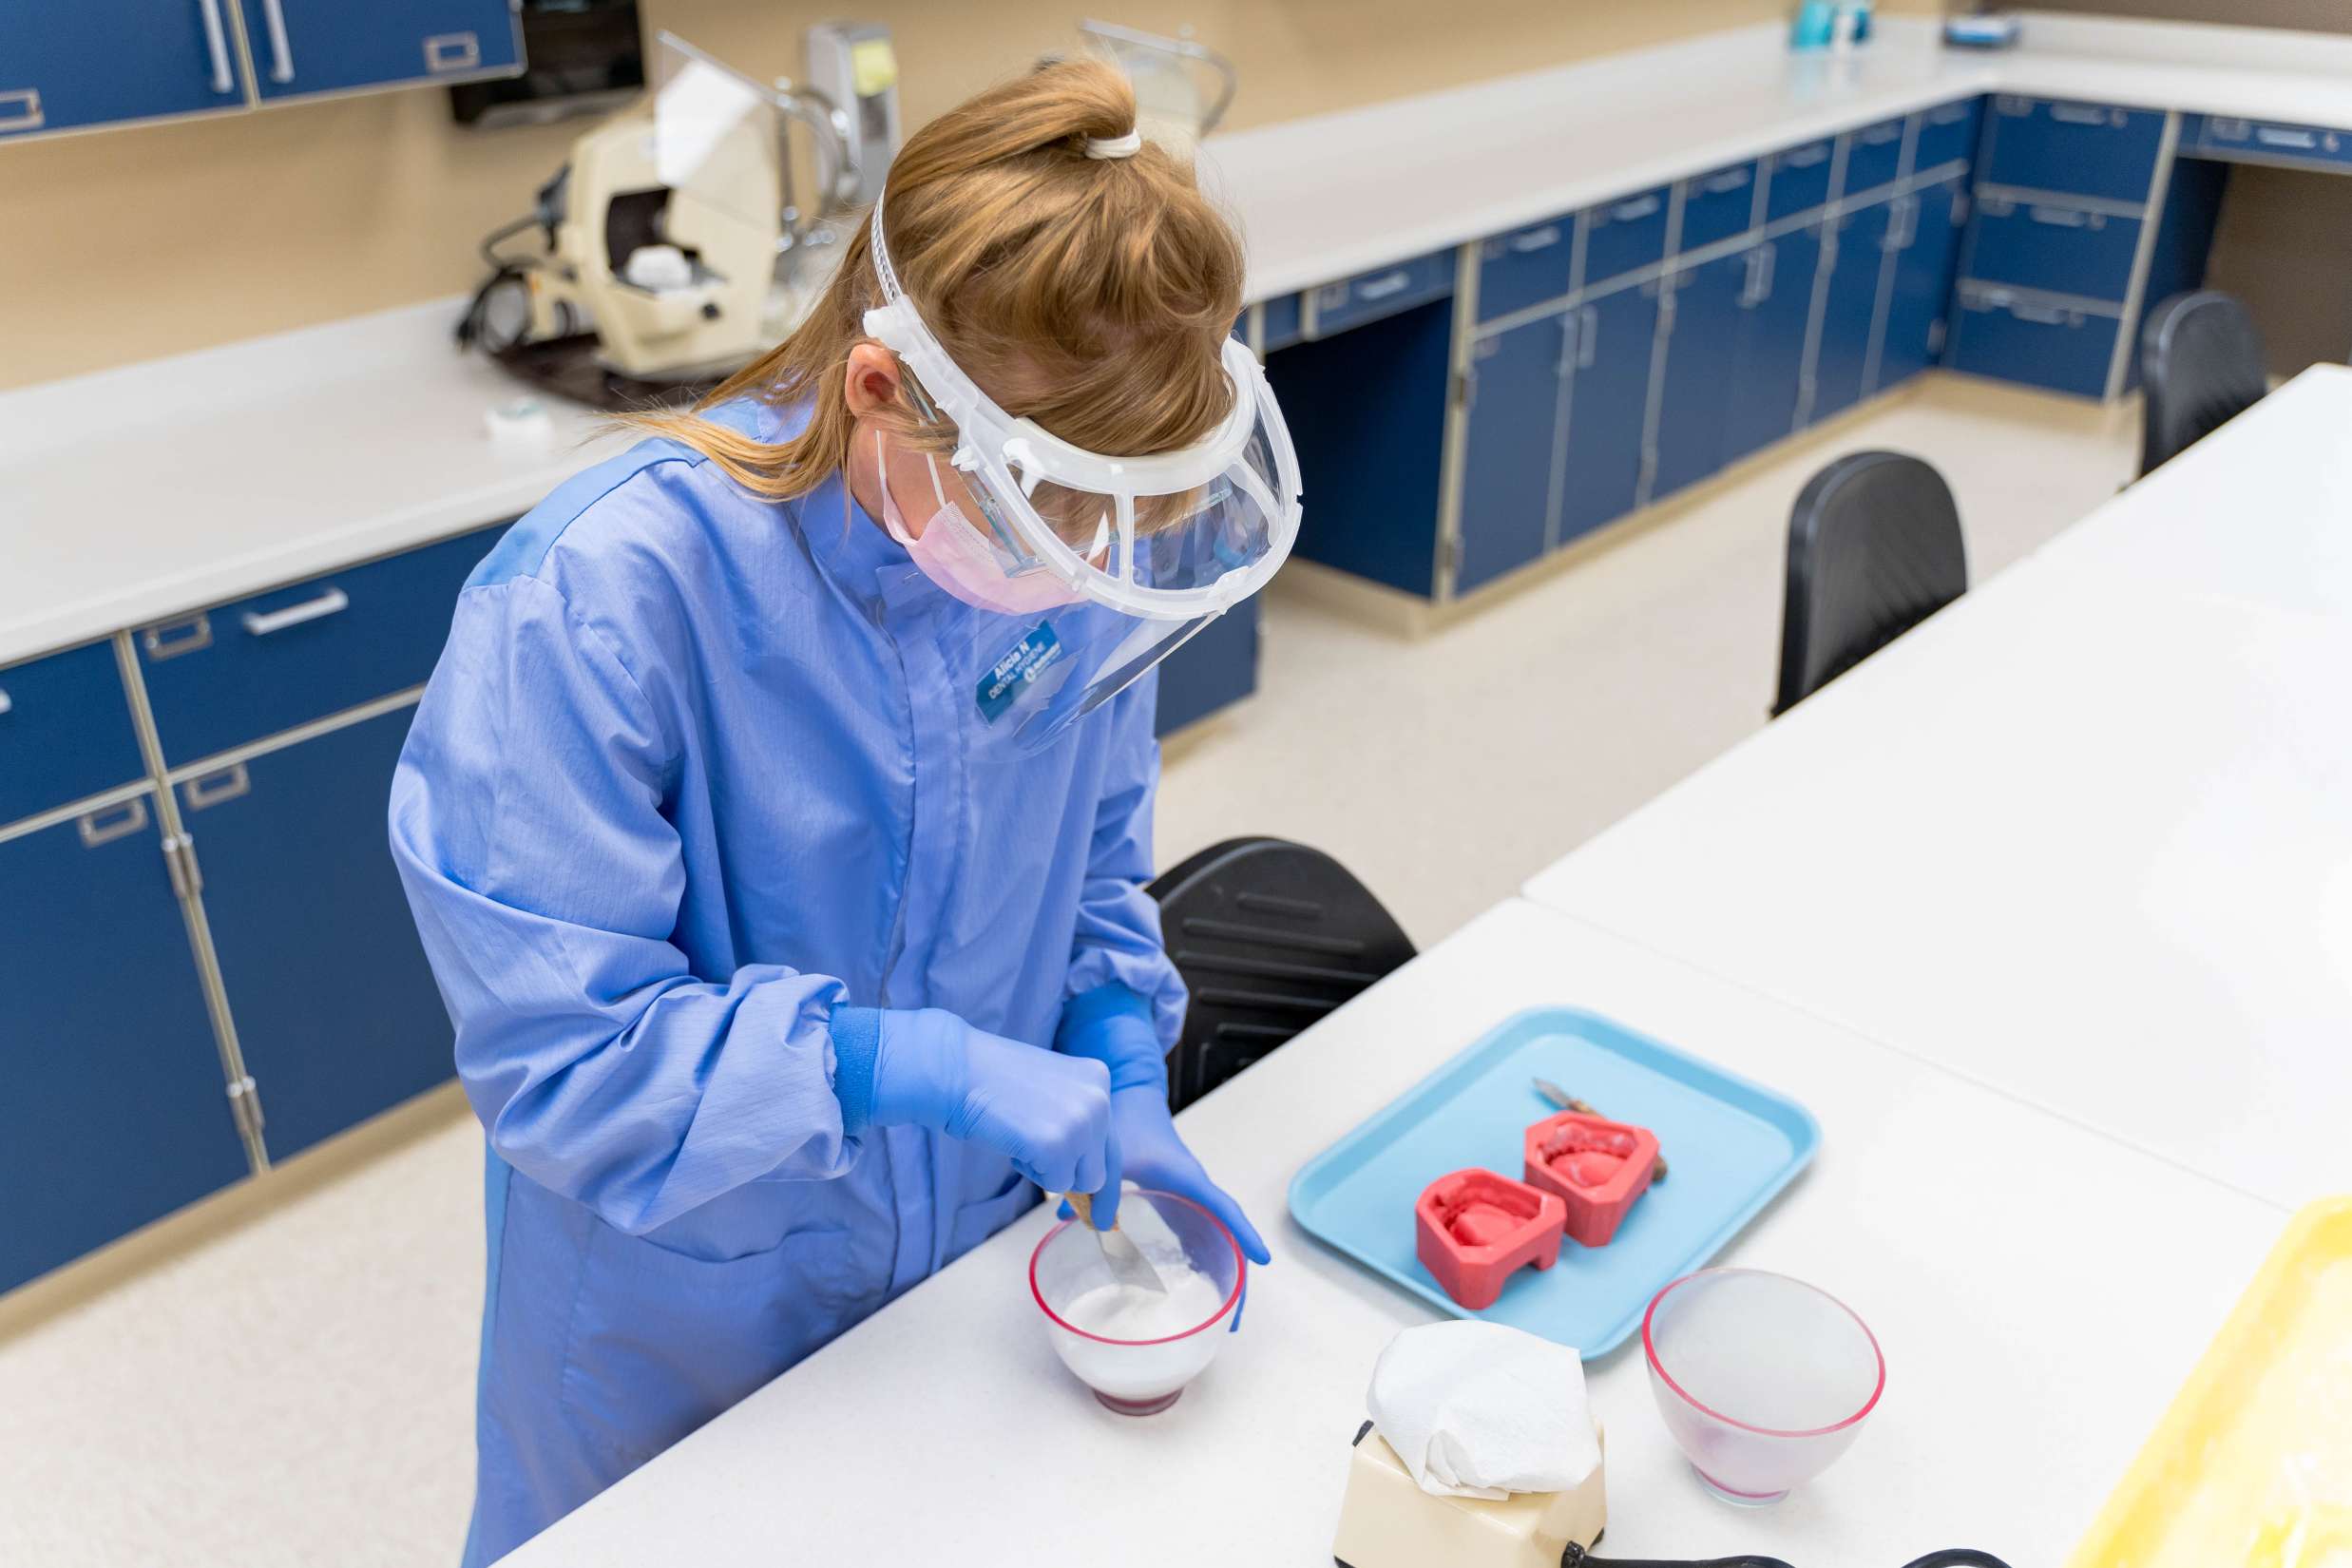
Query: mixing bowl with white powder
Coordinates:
[1137,1349]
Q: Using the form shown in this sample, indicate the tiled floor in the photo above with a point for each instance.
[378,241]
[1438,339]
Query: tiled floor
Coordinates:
[289,1380]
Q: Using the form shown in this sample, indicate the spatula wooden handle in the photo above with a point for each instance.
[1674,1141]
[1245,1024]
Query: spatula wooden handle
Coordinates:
[1082,1205]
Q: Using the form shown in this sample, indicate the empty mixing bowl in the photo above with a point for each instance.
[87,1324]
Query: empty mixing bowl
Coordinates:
[1137,1354]
[1763,1380]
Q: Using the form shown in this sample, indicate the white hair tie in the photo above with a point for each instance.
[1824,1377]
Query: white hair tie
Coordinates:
[1114,146]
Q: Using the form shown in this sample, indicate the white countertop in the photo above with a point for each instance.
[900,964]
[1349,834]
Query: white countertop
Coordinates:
[137,493]
[2086,836]
[2040,1290]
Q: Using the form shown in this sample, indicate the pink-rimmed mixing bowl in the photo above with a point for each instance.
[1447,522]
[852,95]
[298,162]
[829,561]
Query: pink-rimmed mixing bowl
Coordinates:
[1763,1380]
[1136,1377]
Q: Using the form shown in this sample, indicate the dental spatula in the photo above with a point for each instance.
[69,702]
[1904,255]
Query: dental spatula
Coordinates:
[1128,1263]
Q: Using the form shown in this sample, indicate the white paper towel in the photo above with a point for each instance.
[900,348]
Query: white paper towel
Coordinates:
[1483,1410]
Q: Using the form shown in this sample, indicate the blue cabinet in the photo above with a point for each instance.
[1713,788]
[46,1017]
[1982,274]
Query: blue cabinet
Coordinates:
[1925,241]
[1716,206]
[1700,323]
[1767,367]
[251,668]
[1385,291]
[1946,134]
[1217,666]
[2082,149]
[64,731]
[115,1112]
[2023,337]
[1797,180]
[1854,255]
[2059,247]
[1526,267]
[64,67]
[304,47]
[1621,237]
[1873,156]
[1602,461]
[336,1012]
[1513,394]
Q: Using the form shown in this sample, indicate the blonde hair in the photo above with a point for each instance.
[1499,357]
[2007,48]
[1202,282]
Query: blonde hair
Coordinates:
[1091,295]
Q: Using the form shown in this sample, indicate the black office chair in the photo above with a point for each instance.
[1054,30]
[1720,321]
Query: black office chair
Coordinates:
[1874,548]
[2201,366]
[1269,936]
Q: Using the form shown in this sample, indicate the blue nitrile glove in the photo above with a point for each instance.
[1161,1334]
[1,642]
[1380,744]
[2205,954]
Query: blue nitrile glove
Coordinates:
[1113,1025]
[1049,1114]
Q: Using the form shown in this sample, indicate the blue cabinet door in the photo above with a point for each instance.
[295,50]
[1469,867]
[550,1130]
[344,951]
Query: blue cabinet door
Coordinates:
[1507,468]
[1767,368]
[98,61]
[302,47]
[1701,322]
[1856,256]
[2087,149]
[336,1009]
[1926,239]
[1526,267]
[1215,667]
[64,731]
[115,1113]
[1608,402]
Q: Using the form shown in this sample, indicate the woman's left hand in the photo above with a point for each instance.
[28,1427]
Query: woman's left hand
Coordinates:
[1151,1156]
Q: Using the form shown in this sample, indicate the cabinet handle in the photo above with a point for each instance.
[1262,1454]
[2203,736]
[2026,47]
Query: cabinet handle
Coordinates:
[281,53]
[1378,288]
[8,703]
[217,42]
[1759,285]
[1721,184]
[1531,240]
[170,639]
[96,828]
[334,601]
[212,788]
[1948,114]
[1903,223]
[2274,136]
[20,109]
[1569,321]
[1640,206]
[2083,114]
[2059,217]
[1878,136]
[1588,336]
[2044,315]
[2227,130]
[1805,157]
[452,51]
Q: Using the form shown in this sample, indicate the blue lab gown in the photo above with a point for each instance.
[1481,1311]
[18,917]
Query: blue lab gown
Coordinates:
[692,772]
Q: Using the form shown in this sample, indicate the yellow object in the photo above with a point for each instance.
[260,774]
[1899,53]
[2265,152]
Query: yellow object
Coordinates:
[1386,1521]
[874,65]
[2252,1467]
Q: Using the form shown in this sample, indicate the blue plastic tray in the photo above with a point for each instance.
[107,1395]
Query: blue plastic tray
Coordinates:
[1731,1146]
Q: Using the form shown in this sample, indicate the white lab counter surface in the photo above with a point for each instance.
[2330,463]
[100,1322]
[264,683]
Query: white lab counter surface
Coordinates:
[2086,836]
[2040,1291]
[133,494]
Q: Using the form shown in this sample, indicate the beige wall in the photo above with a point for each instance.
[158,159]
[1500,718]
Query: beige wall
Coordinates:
[126,244]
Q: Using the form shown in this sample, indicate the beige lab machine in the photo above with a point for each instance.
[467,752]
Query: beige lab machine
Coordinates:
[1386,1521]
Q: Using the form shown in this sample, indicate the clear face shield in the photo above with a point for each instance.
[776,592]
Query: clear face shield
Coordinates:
[1079,571]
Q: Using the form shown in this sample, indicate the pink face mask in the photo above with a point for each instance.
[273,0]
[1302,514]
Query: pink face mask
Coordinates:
[953,553]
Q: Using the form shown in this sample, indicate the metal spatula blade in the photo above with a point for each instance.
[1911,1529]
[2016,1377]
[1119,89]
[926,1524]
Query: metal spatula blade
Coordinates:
[1128,1263]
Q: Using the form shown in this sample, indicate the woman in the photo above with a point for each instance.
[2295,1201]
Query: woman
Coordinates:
[777,818]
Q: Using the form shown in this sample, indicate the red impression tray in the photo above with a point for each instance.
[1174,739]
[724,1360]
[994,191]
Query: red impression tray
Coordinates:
[1474,1229]
[1594,1166]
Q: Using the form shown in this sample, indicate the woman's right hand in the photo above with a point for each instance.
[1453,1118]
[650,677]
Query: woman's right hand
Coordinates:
[1049,1114]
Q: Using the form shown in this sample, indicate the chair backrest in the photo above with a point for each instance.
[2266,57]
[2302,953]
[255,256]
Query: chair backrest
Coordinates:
[1269,936]
[2201,365]
[1874,548]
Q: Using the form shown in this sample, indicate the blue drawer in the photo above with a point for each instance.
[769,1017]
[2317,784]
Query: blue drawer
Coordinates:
[1278,318]
[2084,149]
[1623,235]
[2051,246]
[2266,140]
[1526,267]
[1718,205]
[64,731]
[1947,134]
[1369,296]
[1873,156]
[1797,180]
[2018,338]
[244,670]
